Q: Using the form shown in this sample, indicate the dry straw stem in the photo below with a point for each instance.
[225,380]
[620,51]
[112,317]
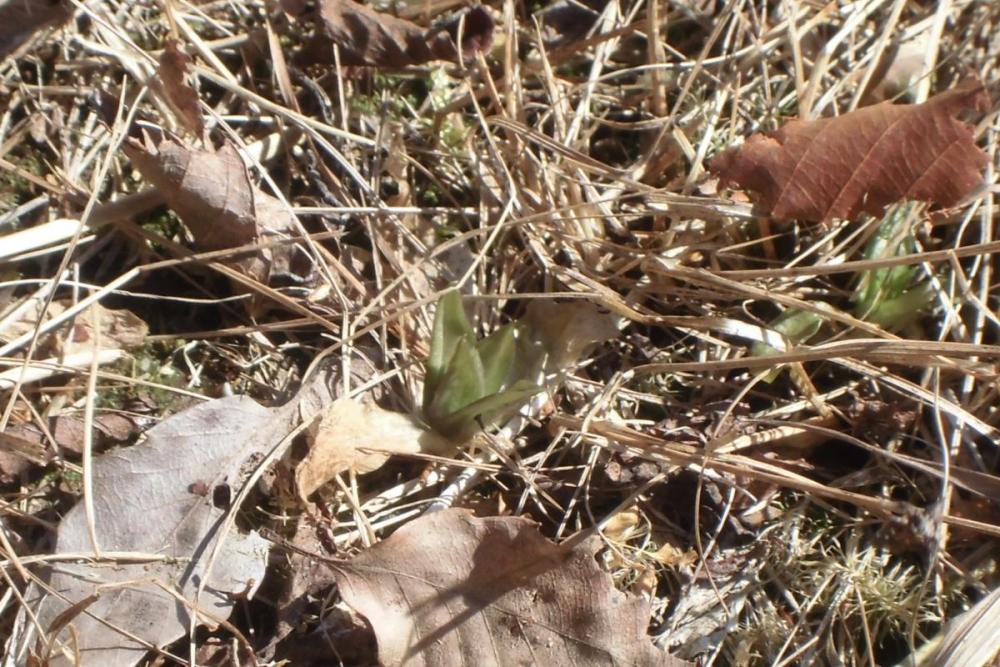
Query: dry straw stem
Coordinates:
[971,638]
[568,162]
[36,371]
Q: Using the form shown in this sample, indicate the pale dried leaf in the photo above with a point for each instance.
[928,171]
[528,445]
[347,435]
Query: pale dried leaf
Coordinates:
[622,526]
[453,589]
[862,161]
[899,69]
[563,332]
[670,555]
[214,196]
[360,437]
[157,498]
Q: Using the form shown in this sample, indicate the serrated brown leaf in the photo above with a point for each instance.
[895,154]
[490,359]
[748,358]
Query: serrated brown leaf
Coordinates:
[862,161]
[367,37]
[173,67]
[214,196]
[453,589]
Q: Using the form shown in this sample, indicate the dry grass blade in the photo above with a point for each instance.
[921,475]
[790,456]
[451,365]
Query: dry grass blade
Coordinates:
[483,240]
[971,638]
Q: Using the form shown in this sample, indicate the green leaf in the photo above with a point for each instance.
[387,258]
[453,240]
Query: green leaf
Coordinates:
[462,383]
[466,421]
[797,326]
[496,352]
[466,381]
[893,238]
[450,326]
[879,285]
[895,313]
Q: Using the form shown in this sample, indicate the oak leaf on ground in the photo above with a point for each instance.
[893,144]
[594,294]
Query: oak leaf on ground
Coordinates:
[453,589]
[164,500]
[146,501]
[863,160]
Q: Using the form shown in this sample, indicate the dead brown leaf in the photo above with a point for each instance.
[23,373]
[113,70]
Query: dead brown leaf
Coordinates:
[178,93]
[561,332]
[360,437]
[18,454]
[22,446]
[213,194]
[146,500]
[453,589]
[367,37]
[862,161]
[20,19]
[163,498]
[342,631]
[119,329]
[68,432]
[566,21]
[473,29]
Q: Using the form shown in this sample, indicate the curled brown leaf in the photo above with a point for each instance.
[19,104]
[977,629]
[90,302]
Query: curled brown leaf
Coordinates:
[360,437]
[862,161]
[367,37]
[181,96]
[213,194]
